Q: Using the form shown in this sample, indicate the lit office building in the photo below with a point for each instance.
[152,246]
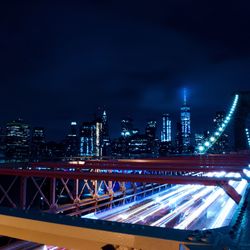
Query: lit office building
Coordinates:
[166,148]
[2,144]
[199,139]
[178,139]
[151,130]
[38,135]
[98,139]
[87,139]
[38,147]
[105,124]
[91,139]
[222,144]
[138,145]
[166,129]
[152,142]
[72,141]
[2,138]
[127,127]
[106,144]
[185,125]
[17,140]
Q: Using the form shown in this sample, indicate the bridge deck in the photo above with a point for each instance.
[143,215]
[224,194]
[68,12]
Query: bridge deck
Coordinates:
[71,232]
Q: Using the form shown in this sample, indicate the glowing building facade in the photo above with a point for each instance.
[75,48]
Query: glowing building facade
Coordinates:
[106,143]
[127,127]
[185,125]
[17,140]
[38,147]
[166,135]
[72,141]
[91,139]
[151,130]
[222,144]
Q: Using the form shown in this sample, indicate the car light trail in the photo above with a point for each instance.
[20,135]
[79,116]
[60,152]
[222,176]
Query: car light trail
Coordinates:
[182,208]
[167,203]
[211,199]
[229,206]
[171,192]
[145,207]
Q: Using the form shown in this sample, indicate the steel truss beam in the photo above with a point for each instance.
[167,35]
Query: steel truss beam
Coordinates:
[160,179]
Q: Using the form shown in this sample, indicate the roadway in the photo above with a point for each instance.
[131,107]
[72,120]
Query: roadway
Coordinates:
[194,207]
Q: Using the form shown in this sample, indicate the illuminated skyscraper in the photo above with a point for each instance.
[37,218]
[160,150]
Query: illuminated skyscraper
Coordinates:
[185,125]
[98,138]
[73,129]
[72,141]
[199,139]
[106,144]
[166,129]
[17,140]
[178,140]
[38,147]
[87,139]
[151,130]
[2,144]
[127,127]
[38,135]
[105,123]
[222,144]
[91,139]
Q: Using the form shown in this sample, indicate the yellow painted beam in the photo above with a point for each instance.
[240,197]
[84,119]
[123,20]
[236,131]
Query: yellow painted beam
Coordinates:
[73,237]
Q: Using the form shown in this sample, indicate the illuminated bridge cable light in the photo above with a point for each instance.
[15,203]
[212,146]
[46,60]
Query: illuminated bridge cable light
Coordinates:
[248,137]
[212,139]
[202,149]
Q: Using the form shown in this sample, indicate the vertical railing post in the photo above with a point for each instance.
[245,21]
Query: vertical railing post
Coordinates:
[76,190]
[23,192]
[53,205]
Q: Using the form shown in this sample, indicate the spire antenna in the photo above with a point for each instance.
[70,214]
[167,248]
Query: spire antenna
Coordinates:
[185,97]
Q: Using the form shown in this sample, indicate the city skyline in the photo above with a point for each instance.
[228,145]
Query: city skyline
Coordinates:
[175,118]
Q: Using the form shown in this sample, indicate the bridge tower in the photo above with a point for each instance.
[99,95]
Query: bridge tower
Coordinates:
[240,120]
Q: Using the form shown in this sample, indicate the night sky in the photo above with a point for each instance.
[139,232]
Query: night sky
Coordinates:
[60,61]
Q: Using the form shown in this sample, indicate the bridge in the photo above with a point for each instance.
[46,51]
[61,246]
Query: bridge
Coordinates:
[64,191]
